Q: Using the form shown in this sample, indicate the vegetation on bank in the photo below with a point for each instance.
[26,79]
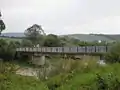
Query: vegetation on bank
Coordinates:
[76,76]
[10,81]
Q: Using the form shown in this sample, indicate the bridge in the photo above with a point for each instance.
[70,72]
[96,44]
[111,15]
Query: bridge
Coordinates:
[66,50]
[39,53]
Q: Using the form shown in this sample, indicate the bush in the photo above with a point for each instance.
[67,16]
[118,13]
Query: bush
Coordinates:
[113,55]
[10,81]
[107,78]
[7,49]
[110,82]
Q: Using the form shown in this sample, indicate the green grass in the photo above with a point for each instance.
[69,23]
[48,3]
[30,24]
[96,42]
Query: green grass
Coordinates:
[10,81]
[82,78]
[16,82]
[88,79]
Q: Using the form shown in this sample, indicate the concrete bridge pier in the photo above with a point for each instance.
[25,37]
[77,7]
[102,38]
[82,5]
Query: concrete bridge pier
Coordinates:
[38,60]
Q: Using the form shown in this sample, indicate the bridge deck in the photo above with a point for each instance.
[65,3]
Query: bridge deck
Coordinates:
[67,50]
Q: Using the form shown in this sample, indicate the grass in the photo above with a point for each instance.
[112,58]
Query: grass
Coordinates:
[83,77]
[10,81]
[76,75]
[89,79]
[16,82]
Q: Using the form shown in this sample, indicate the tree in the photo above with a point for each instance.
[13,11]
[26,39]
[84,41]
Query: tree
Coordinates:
[2,25]
[113,55]
[18,44]
[52,41]
[75,41]
[35,34]
[7,49]
[26,43]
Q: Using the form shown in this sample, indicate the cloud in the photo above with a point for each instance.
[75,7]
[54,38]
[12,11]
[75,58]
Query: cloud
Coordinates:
[62,16]
[110,24]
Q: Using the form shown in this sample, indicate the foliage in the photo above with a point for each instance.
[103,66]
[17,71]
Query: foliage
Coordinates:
[111,82]
[16,82]
[113,55]
[26,43]
[52,40]
[37,36]
[10,81]
[7,50]
[103,80]
[77,77]
[2,25]
[34,34]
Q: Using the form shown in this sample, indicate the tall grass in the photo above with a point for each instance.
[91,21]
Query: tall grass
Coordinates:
[65,66]
[68,75]
[109,79]
[10,81]
[82,75]
[67,69]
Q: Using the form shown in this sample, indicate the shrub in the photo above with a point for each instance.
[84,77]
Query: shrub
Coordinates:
[10,81]
[110,82]
[7,49]
[113,55]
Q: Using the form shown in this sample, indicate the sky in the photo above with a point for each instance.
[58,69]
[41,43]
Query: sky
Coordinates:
[62,16]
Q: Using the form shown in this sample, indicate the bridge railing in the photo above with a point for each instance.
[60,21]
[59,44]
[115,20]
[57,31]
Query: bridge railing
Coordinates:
[81,49]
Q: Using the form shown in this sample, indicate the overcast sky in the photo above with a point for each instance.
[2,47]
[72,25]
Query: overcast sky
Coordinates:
[62,16]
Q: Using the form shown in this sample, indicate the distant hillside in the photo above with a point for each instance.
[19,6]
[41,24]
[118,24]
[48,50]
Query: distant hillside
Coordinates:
[115,37]
[13,34]
[82,37]
[95,37]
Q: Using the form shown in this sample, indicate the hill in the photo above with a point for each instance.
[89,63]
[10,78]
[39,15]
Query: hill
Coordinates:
[13,34]
[95,37]
[81,37]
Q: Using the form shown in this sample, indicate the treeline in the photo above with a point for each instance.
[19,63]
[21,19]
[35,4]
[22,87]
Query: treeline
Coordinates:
[7,48]
[35,36]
